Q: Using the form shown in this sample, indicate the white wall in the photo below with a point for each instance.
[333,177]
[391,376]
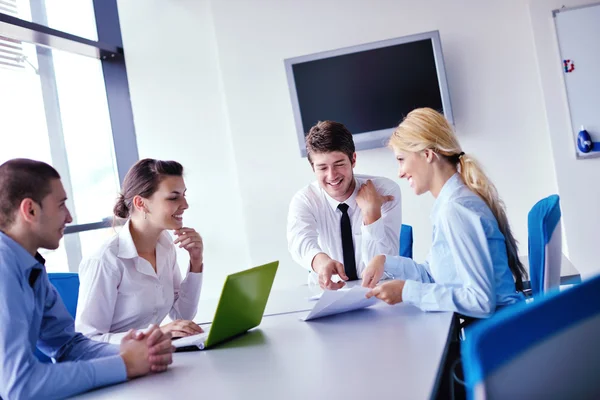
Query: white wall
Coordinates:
[579,195]
[175,60]
[493,86]
[179,113]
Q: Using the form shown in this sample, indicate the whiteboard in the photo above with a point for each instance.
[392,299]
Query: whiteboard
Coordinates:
[578,33]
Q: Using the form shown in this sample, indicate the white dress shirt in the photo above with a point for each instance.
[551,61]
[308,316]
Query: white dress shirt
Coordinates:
[314,225]
[467,267]
[119,290]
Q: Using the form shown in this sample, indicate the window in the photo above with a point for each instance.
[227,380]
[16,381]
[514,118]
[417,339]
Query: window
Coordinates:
[75,17]
[59,105]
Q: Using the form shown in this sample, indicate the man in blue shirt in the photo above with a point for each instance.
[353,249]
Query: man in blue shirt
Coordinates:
[33,215]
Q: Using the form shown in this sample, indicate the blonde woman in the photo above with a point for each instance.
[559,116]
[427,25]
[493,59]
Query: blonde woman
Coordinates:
[473,257]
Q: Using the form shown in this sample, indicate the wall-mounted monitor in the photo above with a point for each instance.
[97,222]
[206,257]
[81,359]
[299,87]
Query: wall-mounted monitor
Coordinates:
[369,87]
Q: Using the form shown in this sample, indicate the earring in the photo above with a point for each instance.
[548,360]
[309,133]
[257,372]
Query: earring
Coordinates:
[145,215]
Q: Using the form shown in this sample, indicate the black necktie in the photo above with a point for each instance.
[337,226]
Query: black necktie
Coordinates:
[347,243]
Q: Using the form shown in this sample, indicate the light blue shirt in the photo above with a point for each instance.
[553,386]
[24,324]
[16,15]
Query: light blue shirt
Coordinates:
[32,313]
[467,267]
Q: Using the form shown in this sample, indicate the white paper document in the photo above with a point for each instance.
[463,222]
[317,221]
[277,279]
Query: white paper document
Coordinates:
[339,301]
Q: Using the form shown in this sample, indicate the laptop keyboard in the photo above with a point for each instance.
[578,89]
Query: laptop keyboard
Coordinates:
[193,340]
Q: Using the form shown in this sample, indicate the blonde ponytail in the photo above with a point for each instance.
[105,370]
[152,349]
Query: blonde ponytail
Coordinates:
[476,180]
[425,128]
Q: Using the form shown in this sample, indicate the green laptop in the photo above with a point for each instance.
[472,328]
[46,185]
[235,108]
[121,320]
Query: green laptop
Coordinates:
[241,307]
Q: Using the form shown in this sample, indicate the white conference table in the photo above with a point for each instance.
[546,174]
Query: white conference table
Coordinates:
[379,351]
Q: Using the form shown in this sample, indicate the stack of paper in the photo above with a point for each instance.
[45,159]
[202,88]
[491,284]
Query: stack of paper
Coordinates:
[339,301]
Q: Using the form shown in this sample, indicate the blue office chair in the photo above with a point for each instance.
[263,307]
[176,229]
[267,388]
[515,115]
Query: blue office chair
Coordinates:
[406,241]
[67,286]
[545,244]
[544,349]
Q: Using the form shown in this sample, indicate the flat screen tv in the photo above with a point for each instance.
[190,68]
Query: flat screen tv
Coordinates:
[369,87]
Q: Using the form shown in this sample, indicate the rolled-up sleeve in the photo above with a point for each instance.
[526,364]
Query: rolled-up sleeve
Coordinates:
[403,268]
[302,234]
[382,236]
[468,247]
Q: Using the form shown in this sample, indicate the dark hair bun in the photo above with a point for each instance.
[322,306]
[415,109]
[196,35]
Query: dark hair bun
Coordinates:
[120,210]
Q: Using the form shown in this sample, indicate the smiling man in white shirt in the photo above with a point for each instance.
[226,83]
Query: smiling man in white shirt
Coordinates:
[339,222]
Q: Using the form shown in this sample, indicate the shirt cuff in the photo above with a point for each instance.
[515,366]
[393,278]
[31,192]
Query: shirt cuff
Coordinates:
[309,257]
[109,370]
[373,231]
[411,293]
[189,268]
[194,277]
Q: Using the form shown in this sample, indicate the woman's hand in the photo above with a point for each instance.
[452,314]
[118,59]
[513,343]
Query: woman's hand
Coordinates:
[191,240]
[390,292]
[181,328]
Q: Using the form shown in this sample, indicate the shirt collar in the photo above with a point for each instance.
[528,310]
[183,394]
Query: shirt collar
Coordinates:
[455,182]
[351,201]
[25,261]
[127,248]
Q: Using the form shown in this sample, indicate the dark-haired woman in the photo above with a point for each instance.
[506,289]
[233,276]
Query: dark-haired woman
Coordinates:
[133,280]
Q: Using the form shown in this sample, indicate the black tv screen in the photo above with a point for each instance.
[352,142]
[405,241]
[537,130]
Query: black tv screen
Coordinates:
[368,88]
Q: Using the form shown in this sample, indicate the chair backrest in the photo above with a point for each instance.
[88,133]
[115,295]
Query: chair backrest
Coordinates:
[67,286]
[545,244]
[544,349]
[406,241]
